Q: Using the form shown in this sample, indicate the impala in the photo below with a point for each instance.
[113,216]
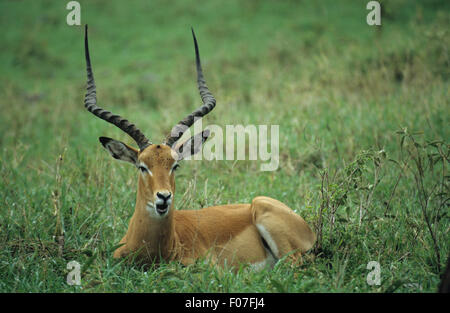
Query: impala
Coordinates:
[258,233]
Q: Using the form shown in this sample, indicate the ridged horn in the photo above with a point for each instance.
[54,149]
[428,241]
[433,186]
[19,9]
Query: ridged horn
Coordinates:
[90,103]
[209,102]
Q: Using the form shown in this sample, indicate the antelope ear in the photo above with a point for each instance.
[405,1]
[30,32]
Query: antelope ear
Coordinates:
[120,150]
[192,145]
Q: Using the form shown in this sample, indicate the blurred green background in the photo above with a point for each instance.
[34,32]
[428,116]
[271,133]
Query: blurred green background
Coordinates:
[339,89]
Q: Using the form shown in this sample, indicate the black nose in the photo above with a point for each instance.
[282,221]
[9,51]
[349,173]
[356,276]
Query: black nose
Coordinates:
[164,197]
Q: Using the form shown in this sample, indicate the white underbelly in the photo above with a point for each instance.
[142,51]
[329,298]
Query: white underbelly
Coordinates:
[268,262]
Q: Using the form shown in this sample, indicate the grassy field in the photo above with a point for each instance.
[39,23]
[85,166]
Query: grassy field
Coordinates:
[364,128]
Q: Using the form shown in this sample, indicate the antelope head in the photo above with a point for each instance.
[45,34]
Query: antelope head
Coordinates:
[156,163]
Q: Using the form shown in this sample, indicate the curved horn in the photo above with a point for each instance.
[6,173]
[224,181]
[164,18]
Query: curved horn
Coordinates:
[209,102]
[90,103]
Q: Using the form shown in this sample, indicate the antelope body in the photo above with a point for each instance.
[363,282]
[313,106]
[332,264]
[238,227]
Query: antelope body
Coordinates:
[259,233]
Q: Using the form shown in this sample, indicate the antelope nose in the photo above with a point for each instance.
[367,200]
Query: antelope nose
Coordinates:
[163,201]
[165,195]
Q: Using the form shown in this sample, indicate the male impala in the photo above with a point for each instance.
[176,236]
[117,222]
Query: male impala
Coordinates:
[258,233]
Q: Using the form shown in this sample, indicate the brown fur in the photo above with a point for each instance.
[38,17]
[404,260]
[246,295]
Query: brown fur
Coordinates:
[226,234]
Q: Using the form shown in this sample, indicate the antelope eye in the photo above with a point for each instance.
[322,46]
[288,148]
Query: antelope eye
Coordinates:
[142,169]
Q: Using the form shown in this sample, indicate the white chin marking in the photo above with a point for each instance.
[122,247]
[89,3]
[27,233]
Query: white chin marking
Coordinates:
[151,209]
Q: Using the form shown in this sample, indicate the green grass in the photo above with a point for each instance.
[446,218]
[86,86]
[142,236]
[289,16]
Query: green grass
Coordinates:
[339,89]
